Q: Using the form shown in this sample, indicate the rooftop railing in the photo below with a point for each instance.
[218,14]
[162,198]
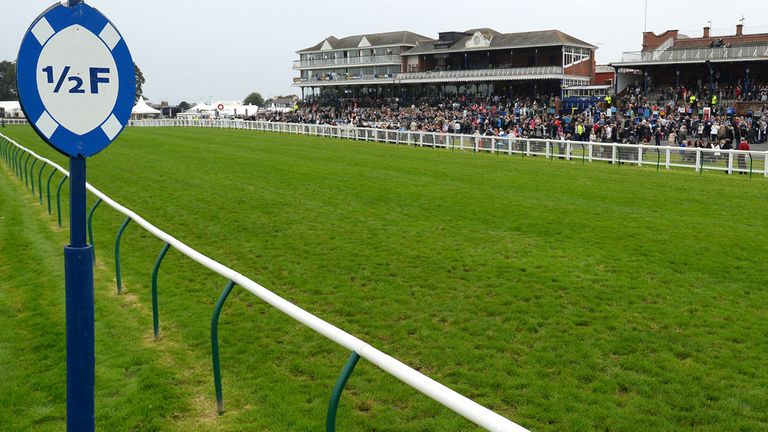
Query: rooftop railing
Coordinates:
[482,73]
[697,55]
[344,78]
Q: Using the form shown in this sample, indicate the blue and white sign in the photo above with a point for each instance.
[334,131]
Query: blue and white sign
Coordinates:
[76,79]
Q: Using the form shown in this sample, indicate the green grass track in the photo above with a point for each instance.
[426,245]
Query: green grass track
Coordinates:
[565,296]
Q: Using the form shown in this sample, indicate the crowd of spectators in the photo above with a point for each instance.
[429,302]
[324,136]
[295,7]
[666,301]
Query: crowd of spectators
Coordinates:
[665,116]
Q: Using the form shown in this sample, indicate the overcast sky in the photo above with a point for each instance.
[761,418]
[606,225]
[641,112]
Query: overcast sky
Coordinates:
[194,50]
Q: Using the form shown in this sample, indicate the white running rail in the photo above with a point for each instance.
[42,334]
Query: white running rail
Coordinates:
[459,404]
[667,157]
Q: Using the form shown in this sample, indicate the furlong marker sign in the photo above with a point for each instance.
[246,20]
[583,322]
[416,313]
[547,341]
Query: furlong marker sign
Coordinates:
[77,85]
[76,79]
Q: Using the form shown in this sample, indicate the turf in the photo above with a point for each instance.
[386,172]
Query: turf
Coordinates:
[566,297]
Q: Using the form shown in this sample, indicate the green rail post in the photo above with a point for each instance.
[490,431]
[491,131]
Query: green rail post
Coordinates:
[48,190]
[20,155]
[583,153]
[40,182]
[333,404]
[155,270]
[118,275]
[16,161]
[658,160]
[215,346]
[750,166]
[23,167]
[58,198]
[32,170]
[90,228]
[26,172]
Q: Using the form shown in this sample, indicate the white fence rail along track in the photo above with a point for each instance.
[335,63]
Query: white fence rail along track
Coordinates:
[461,405]
[698,159]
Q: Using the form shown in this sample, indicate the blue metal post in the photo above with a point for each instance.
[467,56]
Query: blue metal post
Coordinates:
[78,263]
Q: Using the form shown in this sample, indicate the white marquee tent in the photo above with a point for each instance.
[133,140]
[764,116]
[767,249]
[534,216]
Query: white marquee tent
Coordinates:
[224,109]
[12,109]
[141,111]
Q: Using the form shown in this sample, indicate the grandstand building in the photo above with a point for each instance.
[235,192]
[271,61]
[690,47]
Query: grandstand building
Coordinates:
[475,62]
[723,65]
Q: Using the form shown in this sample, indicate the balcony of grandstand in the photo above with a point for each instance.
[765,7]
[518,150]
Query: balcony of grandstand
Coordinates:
[352,64]
[477,62]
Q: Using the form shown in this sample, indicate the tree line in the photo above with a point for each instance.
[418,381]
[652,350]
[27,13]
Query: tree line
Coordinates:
[8,91]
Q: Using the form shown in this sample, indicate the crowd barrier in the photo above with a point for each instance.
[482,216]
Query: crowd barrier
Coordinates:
[667,157]
[18,158]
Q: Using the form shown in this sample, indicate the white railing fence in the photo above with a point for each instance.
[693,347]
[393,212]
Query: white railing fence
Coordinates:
[456,402]
[667,157]
[13,121]
[697,55]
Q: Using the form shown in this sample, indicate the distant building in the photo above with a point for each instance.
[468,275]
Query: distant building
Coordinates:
[604,75]
[478,62]
[11,109]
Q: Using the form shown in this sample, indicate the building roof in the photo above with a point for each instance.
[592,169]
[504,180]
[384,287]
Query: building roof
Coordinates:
[141,107]
[375,39]
[503,41]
